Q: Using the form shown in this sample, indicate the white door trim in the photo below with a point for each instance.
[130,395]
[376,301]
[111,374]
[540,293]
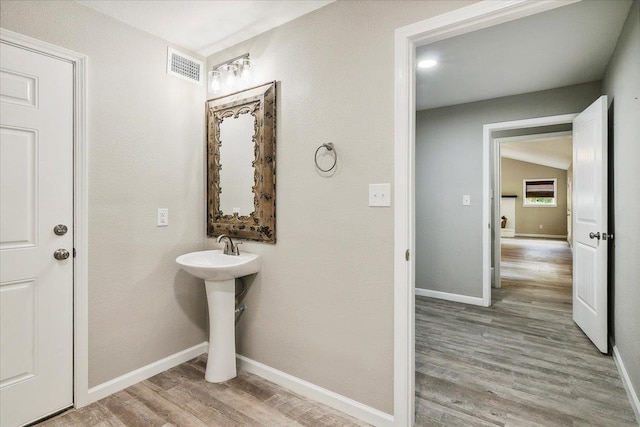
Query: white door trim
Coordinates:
[493,175]
[80,203]
[474,17]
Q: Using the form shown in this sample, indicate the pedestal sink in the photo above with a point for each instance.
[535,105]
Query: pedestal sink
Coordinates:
[219,272]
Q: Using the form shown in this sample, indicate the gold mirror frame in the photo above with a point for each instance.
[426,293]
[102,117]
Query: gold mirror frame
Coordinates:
[259,225]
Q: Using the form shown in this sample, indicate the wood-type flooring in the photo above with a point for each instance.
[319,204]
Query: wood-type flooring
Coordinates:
[181,397]
[520,362]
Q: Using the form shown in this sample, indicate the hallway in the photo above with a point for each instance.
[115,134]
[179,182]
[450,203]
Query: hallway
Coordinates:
[521,361]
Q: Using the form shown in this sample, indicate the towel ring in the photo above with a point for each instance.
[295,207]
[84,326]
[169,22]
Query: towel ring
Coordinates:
[329,146]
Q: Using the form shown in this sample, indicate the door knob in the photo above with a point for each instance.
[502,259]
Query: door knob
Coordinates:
[593,235]
[60,230]
[61,254]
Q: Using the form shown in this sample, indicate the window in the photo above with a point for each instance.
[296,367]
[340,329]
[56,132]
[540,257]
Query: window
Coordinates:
[540,192]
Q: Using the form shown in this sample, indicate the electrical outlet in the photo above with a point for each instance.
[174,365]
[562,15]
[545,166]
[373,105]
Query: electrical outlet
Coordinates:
[163,217]
[379,194]
[541,226]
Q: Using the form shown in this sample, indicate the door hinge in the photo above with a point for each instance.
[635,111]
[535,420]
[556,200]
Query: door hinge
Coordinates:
[406,255]
[74,252]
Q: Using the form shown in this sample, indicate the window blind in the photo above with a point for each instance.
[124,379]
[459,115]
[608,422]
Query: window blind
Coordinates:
[536,189]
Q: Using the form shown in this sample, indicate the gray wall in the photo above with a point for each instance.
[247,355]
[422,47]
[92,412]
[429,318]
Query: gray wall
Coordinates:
[146,133]
[449,164]
[528,219]
[622,85]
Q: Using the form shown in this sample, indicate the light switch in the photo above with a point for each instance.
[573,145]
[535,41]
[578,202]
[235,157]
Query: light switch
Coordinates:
[379,194]
[163,217]
[466,200]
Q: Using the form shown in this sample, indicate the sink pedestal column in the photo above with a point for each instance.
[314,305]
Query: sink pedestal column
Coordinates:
[221,363]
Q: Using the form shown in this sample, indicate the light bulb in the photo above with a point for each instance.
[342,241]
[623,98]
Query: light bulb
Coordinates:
[245,75]
[214,81]
[230,82]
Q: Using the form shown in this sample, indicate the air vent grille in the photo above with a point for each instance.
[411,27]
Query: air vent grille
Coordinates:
[185,67]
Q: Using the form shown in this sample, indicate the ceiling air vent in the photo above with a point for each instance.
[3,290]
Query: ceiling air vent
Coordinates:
[185,67]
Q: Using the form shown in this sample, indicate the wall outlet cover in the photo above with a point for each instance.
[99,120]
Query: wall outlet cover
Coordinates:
[379,194]
[163,217]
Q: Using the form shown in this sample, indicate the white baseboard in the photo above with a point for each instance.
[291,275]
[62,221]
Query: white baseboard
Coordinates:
[545,236]
[507,232]
[341,403]
[449,297]
[628,386]
[120,383]
[297,385]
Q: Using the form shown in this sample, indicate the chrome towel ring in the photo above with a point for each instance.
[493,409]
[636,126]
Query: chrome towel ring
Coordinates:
[329,147]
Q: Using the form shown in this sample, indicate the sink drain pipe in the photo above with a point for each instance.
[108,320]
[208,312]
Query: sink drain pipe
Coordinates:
[240,309]
[239,312]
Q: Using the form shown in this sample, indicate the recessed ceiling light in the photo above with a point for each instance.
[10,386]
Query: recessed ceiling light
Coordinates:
[427,63]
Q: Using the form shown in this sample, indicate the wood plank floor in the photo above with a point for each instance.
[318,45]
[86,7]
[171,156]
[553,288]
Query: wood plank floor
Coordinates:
[520,362]
[181,397]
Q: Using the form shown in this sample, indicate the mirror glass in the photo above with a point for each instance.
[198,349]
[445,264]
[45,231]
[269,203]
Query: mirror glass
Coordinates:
[236,160]
[241,164]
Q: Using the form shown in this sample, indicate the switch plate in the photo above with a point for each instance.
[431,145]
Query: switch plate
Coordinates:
[163,217]
[379,194]
[466,200]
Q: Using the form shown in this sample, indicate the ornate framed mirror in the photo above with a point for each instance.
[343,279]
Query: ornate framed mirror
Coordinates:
[241,164]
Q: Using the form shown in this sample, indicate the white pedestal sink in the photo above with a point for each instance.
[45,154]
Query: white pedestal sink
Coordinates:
[219,272]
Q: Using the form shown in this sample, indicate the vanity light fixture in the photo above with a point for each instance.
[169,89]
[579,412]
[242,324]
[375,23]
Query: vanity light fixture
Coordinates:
[228,75]
[427,63]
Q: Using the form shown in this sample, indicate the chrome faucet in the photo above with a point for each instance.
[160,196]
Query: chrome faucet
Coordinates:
[229,247]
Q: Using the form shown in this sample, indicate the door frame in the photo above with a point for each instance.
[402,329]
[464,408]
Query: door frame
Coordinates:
[493,193]
[80,204]
[497,193]
[477,16]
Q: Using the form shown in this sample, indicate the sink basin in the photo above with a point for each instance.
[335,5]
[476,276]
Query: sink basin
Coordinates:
[215,266]
[220,272]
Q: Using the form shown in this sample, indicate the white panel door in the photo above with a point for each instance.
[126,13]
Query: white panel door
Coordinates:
[36,194]
[590,222]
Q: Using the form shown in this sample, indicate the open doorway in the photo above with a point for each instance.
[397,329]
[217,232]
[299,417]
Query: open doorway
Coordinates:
[531,168]
[533,241]
[457,182]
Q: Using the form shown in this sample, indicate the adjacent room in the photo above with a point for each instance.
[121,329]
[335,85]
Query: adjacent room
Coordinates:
[494,339]
[207,212]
